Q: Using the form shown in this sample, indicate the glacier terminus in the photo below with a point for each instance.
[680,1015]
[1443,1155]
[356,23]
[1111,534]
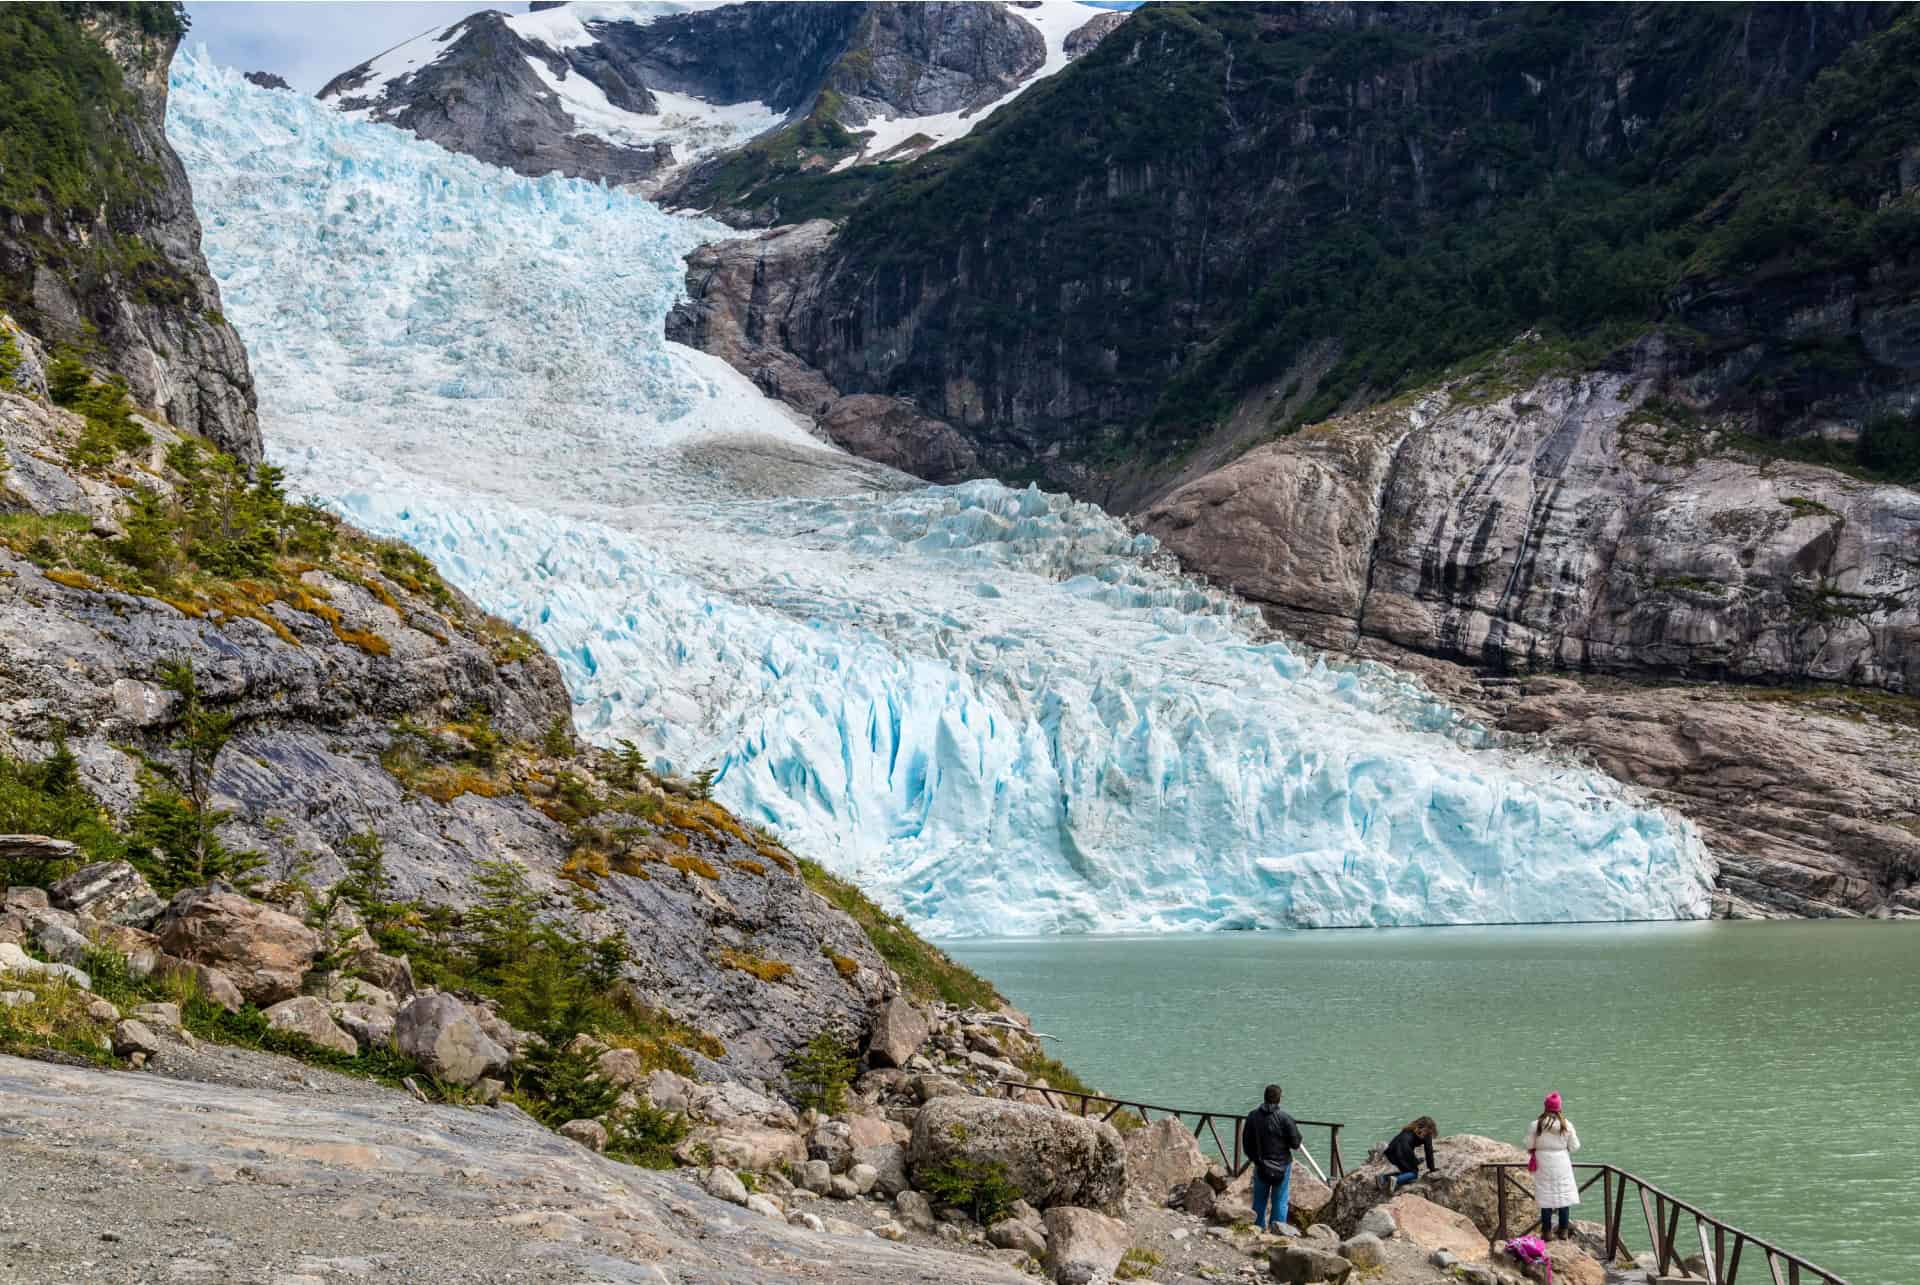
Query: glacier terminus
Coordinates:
[1000,711]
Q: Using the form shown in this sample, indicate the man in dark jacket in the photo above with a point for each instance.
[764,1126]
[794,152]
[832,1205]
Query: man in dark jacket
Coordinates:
[1270,1137]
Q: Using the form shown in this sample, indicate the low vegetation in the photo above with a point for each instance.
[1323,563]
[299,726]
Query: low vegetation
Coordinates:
[926,972]
[818,1075]
[981,1187]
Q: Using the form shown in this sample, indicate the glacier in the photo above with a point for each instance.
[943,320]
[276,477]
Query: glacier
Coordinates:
[1000,711]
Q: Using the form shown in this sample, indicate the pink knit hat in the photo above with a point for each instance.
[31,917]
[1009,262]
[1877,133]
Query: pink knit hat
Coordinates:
[1553,1103]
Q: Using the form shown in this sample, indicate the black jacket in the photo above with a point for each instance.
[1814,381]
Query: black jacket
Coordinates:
[1270,1137]
[1404,1151]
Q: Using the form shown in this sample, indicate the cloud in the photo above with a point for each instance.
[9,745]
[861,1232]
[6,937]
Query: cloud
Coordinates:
[311,41]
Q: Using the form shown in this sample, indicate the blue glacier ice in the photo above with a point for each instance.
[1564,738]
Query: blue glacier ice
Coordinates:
[999,710]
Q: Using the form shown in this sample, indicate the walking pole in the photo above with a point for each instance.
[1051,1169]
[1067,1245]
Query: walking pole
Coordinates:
[1311,1164]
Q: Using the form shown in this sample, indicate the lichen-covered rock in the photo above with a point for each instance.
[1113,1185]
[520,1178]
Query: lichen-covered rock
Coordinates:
[109,890]
[131,1036]
[1051,1157]
[210,982]
[264,951]
[306,1016]
[1303,1265]
[590,1134]
[441,1034]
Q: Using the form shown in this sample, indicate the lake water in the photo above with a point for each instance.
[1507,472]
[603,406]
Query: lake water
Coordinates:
[1768,1073]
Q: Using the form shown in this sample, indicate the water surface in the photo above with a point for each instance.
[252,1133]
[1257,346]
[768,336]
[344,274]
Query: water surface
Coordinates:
[1769,1073]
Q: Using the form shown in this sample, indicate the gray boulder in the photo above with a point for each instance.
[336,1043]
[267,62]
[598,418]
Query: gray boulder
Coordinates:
[1364,1250]
[1012,1233]
[889,1164]
[306,1017]
[130,1037]
[1379,1221]
[20,964]
[724,1184]
[1051,1157]
[816,1176]
[899,1029]
[266,952]
[370,1025]
[59,942]
[439,1033]
[109,890]
[1299,1265]
[913,1211]
[590,1134]
[1083,1244]
[1161,1156]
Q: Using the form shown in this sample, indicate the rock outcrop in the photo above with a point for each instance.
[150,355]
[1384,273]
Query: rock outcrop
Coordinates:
[107,255]
[264,951]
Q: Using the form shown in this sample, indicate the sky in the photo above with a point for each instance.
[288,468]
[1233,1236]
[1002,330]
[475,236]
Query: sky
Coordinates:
[309,42]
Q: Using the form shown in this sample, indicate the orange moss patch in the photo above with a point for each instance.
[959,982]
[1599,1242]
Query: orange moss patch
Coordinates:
[841,964]
[586,868]
[71,579]
[688,864]
[767,970]
[380,591]
[751,867]
[447,782]
[365,639]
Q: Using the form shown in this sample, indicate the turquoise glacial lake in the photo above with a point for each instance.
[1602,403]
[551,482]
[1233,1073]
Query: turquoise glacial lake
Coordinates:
[1766,1072]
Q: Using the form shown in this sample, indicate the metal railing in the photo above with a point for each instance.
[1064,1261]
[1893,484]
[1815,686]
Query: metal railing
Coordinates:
[1721,1245]
[1207,1120]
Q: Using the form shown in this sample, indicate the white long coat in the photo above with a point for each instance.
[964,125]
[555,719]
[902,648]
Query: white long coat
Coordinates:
[1553,1182]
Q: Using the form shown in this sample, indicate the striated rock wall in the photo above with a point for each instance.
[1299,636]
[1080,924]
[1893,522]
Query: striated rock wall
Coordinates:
[1574,521]
[123,278]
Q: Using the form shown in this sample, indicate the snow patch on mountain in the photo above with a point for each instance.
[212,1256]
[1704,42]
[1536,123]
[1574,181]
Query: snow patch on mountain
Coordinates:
[1001,711]
[697,128]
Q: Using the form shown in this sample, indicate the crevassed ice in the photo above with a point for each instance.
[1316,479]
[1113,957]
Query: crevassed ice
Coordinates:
[996,709]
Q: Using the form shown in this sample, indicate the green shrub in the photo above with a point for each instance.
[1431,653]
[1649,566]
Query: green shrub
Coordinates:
[175,830]
[48,797]
[645,1135]
[980,1187]
[110,428]
[819,1073]
[564,1085]
[9,360]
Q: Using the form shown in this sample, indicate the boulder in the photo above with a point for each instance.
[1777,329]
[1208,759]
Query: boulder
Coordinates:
[61,943]
[370,1025]
[1161,1156]
[730,1103]
[863,1177]
[342,989]
[439,1033]
[1364,1250]
[831,1141]
[140,949]
[20,964]
[929,1087]
[620,1067]
[264,951]
[755,1150]
[1300,1265]
[899,1029]
[869,1131]
[391,973]
[1572,1265]
[210,982]
[1199,1198]
[1307,1196]
[306,1016]
[102,1011]
[801,1218]
[1459,1183]
[670,1092]
[723,1183]
[130,1037]
[912,1209]
[1051,1157]
[1437,1228]
[889,1164]
[816,1176]
[1083,1243]
[841,1187]
[590,1134]
[26,898]
[1012,1233]
[1379,1221]
[112,891]
[767,1207]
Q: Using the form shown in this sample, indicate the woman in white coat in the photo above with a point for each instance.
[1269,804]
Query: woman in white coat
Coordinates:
[1551,1142]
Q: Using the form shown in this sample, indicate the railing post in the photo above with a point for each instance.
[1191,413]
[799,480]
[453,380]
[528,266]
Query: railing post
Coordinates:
[1606,1214]
[1501,1230]
[1339,1169]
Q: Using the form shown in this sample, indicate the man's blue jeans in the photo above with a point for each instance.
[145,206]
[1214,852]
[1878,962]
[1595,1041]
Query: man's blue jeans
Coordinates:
[1270,1197]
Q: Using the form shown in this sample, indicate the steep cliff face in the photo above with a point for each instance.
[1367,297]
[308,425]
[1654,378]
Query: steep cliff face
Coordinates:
[99,244]
[1571,521]
[1231,220]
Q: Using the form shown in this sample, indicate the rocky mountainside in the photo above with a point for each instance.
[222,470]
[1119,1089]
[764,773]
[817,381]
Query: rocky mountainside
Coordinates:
[1228,221]
[99,244]
[758,93]
[223,680]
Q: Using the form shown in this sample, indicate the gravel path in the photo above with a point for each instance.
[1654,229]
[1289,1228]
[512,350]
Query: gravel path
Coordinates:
[124,1177]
